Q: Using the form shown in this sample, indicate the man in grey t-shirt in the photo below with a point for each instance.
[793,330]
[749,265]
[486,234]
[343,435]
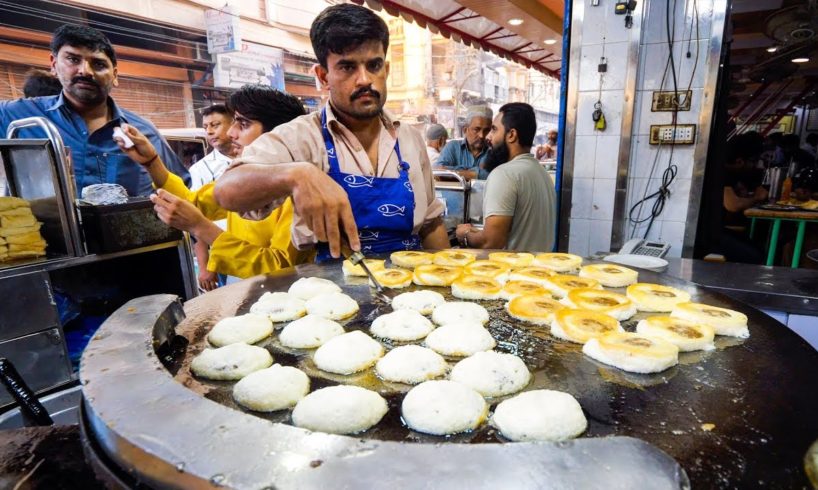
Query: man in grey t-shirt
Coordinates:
[519,203]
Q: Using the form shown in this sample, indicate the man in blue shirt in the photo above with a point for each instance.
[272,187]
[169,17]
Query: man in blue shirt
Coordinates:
[466,156]
[83,60]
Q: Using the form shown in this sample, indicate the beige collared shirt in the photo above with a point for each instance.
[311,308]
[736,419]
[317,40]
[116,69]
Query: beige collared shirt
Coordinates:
[300,140]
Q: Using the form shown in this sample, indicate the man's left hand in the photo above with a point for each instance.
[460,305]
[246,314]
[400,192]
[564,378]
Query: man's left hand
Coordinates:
[177,212]
[461,231]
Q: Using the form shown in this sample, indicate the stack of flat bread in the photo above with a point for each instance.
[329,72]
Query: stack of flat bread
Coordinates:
[19,230]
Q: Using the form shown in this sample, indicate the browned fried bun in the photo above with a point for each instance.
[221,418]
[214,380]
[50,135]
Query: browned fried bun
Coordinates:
[436,275]
[722,320]
[558,262]
[393,278]
[476,287]
[514,259]
[580,326]
[610,275]
[533,308]
[488,268]
[560,284]
[607,302]
[531,274]
[512,289]
[455,258]
[655,297]
[409,259]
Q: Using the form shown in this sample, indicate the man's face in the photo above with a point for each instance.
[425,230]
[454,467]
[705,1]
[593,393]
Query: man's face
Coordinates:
[476,132]
[87,77]
[498,150]
[356,80]
[244,131]
[216,126]
[552,136]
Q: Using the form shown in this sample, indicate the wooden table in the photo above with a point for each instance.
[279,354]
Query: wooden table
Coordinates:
[800,217]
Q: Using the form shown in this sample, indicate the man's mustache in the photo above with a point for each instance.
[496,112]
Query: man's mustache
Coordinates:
[364,91]
[87,80]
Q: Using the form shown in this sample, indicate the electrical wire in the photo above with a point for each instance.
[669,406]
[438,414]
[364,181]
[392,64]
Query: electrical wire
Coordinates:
[661,195]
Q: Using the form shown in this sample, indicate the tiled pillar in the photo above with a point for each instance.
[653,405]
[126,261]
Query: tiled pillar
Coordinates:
[636,63]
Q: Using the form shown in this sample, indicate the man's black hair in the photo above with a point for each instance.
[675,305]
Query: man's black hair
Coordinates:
[266,105]
[40,83]
[82,36]
[342,28]
[520,116]
[216,109]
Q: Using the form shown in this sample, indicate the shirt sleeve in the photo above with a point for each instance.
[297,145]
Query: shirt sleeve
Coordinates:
[281,145]
[447,155]
[235,256]
[167,155]
[203,198]
[500,197]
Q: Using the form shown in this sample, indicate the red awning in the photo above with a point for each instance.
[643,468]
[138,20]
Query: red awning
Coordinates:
[523,44]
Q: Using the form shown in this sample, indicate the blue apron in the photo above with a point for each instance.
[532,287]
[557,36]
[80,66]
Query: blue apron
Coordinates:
[384,208]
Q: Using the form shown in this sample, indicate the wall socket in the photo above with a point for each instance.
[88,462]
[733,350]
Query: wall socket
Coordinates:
[663,101]
[685,134]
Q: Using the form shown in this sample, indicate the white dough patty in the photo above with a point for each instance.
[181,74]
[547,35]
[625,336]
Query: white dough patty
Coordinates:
[424,302]
[402,326]
[492,373]
[340,410]
[443,407]
[540,415]
[348,353]
[275,388]
[335,306]
[249,329]
[309,332]
[230,362]
[309,287]
[460,311]
[279,307]
[410,364]
[460,339]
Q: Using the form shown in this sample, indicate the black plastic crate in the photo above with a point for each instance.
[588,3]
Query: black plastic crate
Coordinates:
[117,227]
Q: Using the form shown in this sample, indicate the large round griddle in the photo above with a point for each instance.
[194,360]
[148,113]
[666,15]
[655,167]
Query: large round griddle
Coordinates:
[759,394]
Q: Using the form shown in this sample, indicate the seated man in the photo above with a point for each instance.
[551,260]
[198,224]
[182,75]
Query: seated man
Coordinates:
[85,114]
[246,248]
[467,156]
[436,136]
[520,203]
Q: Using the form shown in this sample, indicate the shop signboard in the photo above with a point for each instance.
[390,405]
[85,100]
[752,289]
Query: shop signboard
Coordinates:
[254,63]
[223,30]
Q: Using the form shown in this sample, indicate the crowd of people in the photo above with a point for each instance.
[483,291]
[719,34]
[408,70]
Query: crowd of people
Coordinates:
[282,187]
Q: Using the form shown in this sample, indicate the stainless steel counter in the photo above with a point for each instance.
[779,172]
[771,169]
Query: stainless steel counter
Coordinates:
[770,288]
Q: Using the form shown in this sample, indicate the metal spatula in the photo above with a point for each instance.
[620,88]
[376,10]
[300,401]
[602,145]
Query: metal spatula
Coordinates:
[357,258]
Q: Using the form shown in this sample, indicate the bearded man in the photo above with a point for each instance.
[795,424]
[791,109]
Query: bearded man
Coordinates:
[520,203]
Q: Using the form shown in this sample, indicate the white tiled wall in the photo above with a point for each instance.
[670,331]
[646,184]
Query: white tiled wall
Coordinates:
[670,225]
[596,152]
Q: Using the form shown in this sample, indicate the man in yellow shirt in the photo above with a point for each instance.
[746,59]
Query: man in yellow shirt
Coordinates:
[246,248]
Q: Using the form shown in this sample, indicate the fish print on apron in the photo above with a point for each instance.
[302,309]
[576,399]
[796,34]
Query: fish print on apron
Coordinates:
[384,208]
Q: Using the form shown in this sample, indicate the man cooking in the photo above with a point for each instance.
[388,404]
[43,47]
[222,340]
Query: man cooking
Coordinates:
[468,155]
[354,173]
[85,115]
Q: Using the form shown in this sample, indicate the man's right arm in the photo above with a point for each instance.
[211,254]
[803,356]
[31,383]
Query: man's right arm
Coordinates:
[318,200]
